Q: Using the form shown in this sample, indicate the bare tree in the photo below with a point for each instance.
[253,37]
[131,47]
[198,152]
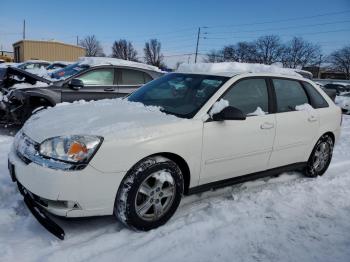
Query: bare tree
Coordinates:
[123,49]
[153,55]
[269,49]
[340,60]
[92,46]
[299,53]
[214,56]
[246,52]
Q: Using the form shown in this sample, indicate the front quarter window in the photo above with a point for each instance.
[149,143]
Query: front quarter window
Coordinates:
[98,77]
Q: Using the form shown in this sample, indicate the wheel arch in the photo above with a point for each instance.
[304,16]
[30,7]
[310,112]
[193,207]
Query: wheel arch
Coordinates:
[181,162]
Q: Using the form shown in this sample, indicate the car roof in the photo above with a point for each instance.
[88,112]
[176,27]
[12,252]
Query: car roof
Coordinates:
[231,69]
[100,61]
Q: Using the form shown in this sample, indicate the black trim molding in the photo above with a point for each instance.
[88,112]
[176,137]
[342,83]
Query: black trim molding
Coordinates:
[240,179]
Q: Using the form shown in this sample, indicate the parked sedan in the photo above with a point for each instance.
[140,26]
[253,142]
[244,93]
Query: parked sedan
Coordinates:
[183,133]
[89,79]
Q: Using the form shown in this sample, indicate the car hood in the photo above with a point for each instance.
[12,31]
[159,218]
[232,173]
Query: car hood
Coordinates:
[109,118]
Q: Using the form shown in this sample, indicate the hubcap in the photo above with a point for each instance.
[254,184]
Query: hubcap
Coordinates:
[155,195]
[321,156]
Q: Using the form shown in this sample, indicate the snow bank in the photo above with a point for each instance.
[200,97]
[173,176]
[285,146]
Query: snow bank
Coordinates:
[218,107]
[95,61]
[343,102]
[231,68]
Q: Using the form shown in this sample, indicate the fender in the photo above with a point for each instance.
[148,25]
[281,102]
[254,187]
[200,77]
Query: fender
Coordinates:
[52,96]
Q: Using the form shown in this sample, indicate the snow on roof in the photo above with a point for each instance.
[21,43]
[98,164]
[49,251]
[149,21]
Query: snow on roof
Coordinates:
[62,62]
[95,61]
[36,61]
[234,68]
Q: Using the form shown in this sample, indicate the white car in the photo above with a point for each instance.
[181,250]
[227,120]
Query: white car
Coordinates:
[183,133]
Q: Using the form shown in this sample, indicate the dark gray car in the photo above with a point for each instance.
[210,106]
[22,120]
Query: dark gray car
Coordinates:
[83,83]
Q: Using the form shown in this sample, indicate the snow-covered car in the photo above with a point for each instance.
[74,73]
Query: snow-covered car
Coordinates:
[343,100]
[203,127]
[33,64]
[88,79]
[57,65]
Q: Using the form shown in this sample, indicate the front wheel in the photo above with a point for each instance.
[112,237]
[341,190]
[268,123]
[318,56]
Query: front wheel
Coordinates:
[320,157]
[149,194]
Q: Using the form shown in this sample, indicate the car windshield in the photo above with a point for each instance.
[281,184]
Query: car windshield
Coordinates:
[179,94]
[68,71]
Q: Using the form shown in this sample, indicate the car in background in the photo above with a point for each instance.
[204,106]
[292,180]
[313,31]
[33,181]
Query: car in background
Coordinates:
[89,79]
[343,101]
[33,64]
[57,65]
[183,133]
[339,88]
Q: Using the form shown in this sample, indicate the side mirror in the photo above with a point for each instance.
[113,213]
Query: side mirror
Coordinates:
[76,84]
[229,113]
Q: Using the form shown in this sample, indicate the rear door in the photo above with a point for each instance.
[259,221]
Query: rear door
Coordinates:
[234,148]
[297,123]
[130,79]
[99,83]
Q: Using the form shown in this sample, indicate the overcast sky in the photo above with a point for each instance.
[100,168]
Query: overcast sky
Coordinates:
[175,23]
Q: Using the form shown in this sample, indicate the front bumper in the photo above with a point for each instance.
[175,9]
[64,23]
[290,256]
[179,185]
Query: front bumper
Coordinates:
[80,193]
[40,214]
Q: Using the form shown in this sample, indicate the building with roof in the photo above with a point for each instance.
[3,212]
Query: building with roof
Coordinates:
[46,50]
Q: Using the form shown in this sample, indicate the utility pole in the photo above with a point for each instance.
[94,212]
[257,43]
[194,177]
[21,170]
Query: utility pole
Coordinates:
[24,29]
[77,40]
[199,32]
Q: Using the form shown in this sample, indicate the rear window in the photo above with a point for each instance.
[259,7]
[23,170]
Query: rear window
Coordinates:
[316,99]
[131,77]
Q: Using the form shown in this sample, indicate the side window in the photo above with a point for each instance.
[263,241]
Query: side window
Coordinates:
[131,77]
[98,77]
[250,96]
[147,77]
[317,100]
[289,94]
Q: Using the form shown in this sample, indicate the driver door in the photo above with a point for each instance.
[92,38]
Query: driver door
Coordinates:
[234,148]
[99,83]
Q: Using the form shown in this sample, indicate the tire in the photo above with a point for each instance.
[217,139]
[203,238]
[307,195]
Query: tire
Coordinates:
[149,194]
[320,157]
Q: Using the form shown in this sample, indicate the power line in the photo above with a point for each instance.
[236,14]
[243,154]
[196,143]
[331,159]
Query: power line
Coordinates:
[279,28]
[284,20]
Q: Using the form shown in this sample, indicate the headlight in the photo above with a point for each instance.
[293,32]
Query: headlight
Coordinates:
[73,149]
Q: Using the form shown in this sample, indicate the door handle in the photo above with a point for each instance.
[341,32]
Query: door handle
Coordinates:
[109,89]
[312,118]
[267,125]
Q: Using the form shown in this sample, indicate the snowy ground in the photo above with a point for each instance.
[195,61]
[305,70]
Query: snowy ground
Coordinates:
[288,218]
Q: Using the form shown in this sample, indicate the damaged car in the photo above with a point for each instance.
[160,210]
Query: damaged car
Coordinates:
[24,93]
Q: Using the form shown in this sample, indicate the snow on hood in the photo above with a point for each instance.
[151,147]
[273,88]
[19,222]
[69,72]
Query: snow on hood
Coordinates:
[231,68]
[27,85]
[112,118]
[96,61]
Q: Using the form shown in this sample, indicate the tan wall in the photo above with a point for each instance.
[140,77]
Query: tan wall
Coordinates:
[50,51]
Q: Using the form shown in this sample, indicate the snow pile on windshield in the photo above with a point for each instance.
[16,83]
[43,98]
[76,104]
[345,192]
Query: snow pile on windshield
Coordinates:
[115,118]
[96,61]
[232,68]
[218,107]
